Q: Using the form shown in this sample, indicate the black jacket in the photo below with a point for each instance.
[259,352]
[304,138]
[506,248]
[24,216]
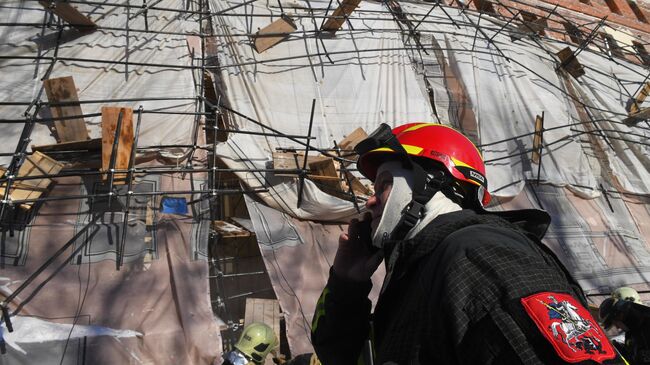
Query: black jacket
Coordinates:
[458,293]
[636,318]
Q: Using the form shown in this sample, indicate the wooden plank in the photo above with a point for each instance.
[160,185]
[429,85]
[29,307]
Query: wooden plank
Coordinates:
[570,63]
[336,20]
[639,99]
[273,33]
[292,161]
[348,143]
[527,28]
[537,139]
[357,187]
[285,161]
[89,145]
[325,172]
[110,117]
[264,311]
[149,215]
[635,118]
[228,229]
[69,14]
[35,165]
[353,139]
[63,90]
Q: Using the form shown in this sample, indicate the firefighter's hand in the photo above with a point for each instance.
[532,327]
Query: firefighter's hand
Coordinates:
[356,259]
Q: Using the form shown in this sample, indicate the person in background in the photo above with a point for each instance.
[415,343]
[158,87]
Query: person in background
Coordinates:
[255,343]
[463,285]
[625,310]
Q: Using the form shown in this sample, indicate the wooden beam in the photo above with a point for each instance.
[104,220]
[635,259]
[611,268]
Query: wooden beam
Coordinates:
[352,139]
[639,99]
[570,63]
[537,139]
[357,187]
[273,33]
[69,14]
[528,28]
[228,230]
[336,20]
[89,145]
[348,143]
[63,90]
[292,161]
[110,117]
[325,172]
[35,165]
[635,118]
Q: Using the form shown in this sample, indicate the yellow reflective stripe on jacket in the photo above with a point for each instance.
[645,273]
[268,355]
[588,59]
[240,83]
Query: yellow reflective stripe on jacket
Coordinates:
[320,309]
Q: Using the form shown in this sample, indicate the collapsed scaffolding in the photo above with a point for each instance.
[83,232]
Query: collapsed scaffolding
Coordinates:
[118,162]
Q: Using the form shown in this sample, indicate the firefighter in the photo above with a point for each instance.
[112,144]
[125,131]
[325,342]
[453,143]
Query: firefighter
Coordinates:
[626,311]
[255,343]
[462,285]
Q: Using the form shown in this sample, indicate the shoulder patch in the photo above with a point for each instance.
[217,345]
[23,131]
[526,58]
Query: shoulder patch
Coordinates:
[569,327]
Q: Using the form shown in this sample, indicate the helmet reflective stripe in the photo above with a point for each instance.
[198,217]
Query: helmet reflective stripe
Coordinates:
[422,125]
[418,126]
[411,150]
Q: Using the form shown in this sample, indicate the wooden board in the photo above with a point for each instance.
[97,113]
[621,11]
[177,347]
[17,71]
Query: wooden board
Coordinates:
[640,98]
[570,63]
[292,161]
[348,143]
[69,14]
[94,144]
[352,139]
[357,187]
[265,311]
[537,139]
[325,172]
[635,118]
[60,90]
[273,34]
[528,28]
[125,142]
[34,165]
[336,20]
[229,229]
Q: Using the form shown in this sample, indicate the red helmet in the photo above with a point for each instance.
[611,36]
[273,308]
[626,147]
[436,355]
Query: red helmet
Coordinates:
[437,142]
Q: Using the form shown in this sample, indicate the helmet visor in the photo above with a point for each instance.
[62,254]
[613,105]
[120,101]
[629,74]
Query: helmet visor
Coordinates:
[234,358]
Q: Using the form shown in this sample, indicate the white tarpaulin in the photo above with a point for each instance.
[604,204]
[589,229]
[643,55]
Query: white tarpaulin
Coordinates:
[97,61]
[363,86]
[369,80]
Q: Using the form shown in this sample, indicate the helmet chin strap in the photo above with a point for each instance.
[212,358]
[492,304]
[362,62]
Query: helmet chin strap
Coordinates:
[422,185]
[412,189]
[425,186]
[398,199]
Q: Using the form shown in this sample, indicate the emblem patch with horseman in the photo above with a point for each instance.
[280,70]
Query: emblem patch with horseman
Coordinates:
[569,327]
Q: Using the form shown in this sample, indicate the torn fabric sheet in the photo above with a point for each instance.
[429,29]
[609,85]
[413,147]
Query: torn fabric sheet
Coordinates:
[32,330]
[161,291]
[298,255]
